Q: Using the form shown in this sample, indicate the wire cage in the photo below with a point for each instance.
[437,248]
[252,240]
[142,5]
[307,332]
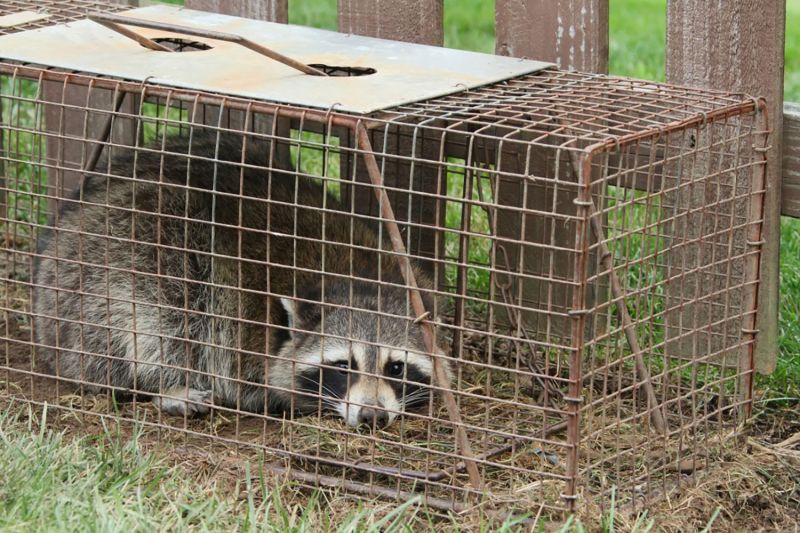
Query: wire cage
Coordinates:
[524,295]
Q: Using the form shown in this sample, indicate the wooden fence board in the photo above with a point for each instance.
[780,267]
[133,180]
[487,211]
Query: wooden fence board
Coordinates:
[418,21]
[272,10]
[574,35]
[571,33]
[791,160]
[739,46]
[82,115]
[415,21]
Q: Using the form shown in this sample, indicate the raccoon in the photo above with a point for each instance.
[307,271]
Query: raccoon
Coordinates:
[190,272]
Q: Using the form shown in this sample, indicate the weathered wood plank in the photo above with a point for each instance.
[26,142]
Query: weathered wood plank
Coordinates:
[416,21]
[76,113]
[739,46]
[791,160]
[571,33]
[272,10]
[574,35]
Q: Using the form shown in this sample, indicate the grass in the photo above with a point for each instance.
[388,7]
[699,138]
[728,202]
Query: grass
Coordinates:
[106,482]
[58,482]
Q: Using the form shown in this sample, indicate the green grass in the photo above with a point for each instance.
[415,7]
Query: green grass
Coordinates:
[105,482]
[54,482]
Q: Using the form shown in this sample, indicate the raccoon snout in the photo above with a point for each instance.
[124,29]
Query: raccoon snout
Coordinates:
[371,416]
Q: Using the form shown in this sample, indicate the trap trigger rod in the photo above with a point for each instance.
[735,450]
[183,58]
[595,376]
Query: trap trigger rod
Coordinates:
[115,23]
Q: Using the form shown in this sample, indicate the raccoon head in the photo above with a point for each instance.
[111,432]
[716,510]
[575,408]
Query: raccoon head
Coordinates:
[366,365]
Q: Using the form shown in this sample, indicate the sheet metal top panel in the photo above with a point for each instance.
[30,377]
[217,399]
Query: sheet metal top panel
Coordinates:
[405,72]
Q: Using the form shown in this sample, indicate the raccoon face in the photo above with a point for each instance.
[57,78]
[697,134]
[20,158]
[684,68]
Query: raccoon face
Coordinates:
[365,367]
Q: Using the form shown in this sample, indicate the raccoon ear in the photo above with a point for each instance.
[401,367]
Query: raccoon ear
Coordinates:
[289,307]
[301,315]
[428,301]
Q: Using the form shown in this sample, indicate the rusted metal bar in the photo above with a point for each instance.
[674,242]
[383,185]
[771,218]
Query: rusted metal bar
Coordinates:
[656,413]
[578,313]
[113,22]
[122,30]
[755,241]
[364,488]
[607,259]
[104,134]
[362,137]
[463,258]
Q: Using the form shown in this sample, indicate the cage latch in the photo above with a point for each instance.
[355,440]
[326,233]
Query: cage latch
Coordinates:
[572,399]
[577,312]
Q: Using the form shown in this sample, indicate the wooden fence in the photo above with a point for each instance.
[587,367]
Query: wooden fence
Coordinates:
[732,46]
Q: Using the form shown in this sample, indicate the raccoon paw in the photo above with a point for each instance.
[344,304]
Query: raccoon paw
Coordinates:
[183,402]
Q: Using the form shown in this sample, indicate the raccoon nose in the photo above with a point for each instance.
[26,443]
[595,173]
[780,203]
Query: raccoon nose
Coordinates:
[370,416]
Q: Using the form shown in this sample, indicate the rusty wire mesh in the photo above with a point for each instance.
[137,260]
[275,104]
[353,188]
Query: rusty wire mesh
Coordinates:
[585,250]
[52,11]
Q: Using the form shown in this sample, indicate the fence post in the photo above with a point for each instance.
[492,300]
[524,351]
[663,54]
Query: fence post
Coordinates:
[573,34]
[272,10]
[740,47]
[416,21]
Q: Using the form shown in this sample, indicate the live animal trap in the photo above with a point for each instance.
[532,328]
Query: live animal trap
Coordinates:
[283,239]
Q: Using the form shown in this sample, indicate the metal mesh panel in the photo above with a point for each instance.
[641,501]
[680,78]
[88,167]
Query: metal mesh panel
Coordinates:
[527,295]
[54,11]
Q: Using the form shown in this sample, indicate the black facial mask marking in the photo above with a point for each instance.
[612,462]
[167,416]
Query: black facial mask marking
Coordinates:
[406,380]
[410,383]
[334,379]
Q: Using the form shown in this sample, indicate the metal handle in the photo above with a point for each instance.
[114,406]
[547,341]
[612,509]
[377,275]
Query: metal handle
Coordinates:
[114,22]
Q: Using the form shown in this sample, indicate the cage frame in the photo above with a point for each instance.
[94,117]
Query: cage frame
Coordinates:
[584,159]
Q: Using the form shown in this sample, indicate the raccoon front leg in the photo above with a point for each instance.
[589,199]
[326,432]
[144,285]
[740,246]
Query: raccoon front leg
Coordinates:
[183,401]
[159,362]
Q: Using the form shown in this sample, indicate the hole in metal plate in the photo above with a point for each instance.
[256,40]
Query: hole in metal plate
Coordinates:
[345,72]
[177,44]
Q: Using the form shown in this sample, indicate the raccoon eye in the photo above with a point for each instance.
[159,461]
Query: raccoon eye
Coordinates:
[343,366]
[396,369]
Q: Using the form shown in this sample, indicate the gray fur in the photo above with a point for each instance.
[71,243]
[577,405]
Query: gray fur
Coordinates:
[163,317]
